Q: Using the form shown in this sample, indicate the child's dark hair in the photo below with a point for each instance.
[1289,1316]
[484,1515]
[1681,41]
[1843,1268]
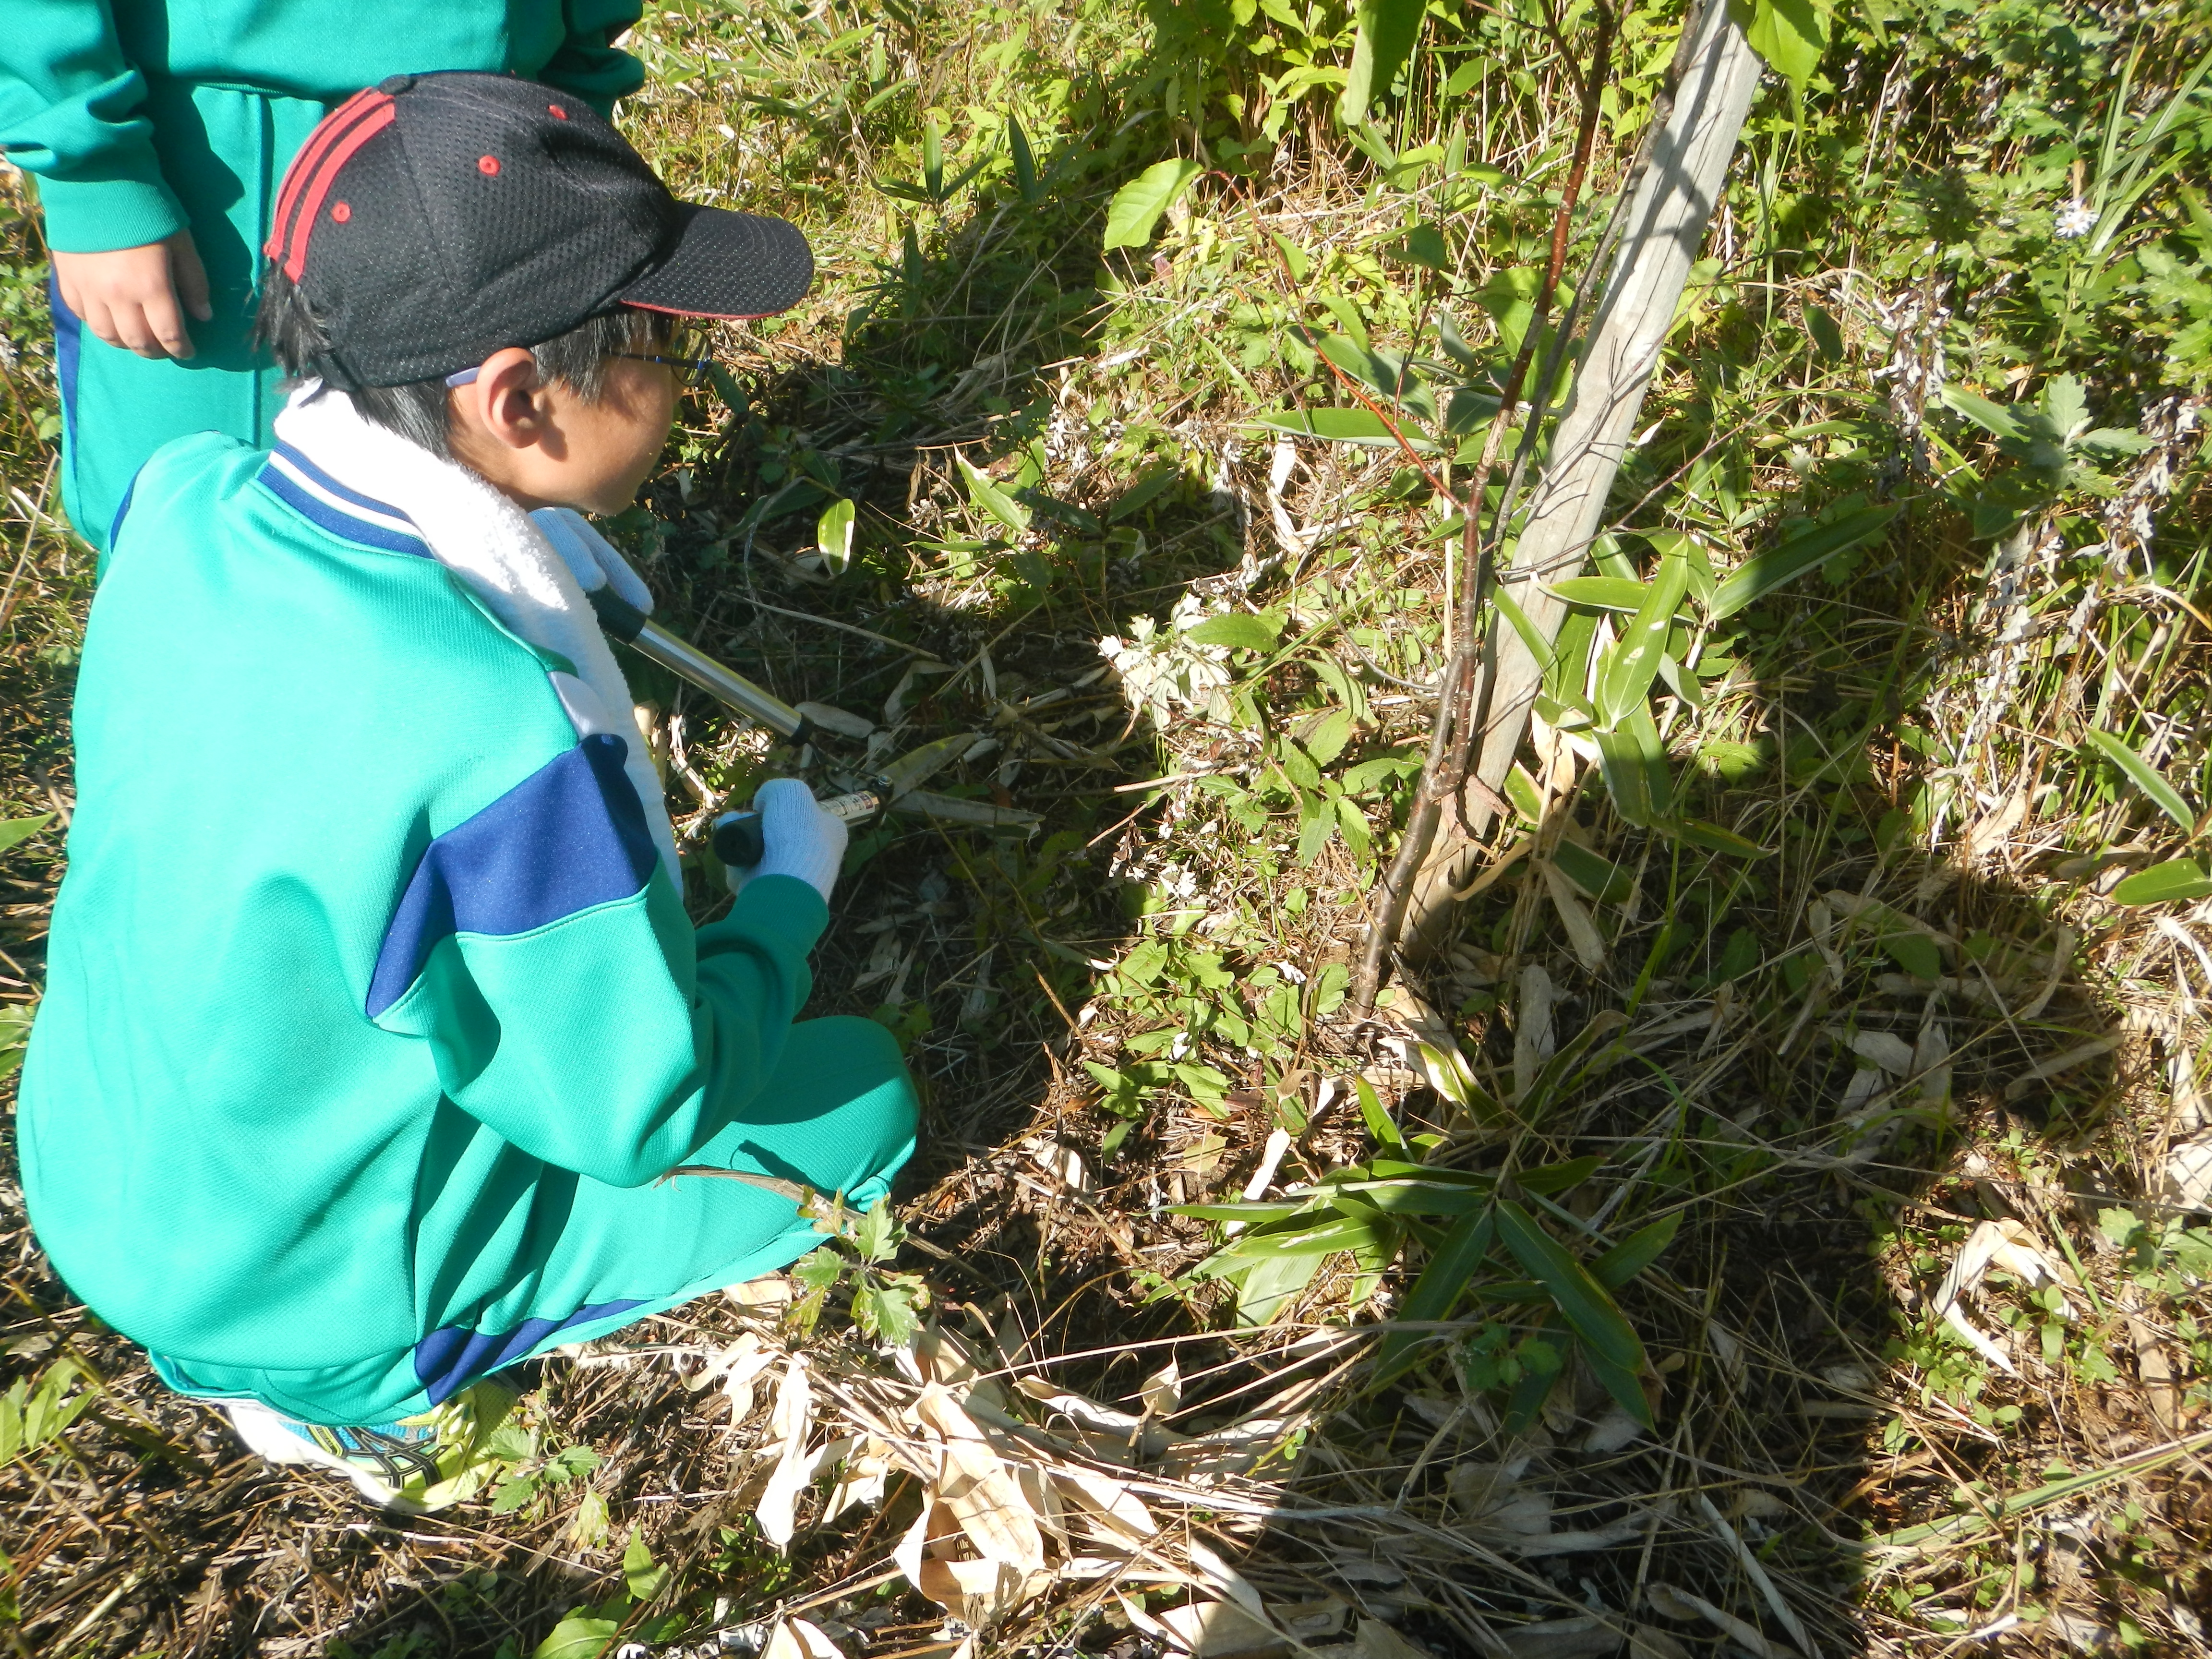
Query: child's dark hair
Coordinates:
[289,329]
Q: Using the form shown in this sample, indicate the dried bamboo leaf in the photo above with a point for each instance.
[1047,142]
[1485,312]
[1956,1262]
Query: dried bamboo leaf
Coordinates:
[989,1505]
[797,1638]
[1583,936]
[1119,1508]
[776,1509]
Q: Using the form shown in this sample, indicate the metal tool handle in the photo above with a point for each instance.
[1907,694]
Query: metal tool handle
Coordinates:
[740,844]
[635,628]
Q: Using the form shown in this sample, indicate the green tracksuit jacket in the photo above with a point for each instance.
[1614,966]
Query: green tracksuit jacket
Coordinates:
[139,118]
[371,1015]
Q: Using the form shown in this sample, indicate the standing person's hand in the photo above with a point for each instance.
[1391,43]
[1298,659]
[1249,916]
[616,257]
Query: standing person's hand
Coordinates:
[135,297]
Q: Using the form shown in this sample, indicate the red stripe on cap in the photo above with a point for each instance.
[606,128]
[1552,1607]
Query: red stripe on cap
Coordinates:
[326,176]
[327,132]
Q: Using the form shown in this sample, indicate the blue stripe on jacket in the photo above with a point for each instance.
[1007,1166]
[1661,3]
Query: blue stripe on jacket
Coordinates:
[320,513]
[570,836]
[449,1359]
[323,480]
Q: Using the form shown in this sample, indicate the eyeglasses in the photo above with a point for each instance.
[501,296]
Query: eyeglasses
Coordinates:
[689,371]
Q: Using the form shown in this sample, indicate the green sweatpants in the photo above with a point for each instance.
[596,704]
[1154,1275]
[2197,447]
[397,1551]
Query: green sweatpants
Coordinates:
[838,1115]
[223,153]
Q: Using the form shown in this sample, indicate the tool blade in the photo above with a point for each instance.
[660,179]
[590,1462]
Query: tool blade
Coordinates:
[911,771]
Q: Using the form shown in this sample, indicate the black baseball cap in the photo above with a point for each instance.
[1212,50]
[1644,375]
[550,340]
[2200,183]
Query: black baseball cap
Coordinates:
[433,219]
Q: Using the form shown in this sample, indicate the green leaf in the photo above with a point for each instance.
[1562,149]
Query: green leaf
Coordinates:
[994,501]
[1915,953]
[1150,484]
[1548,1179]
[2177,878]
[817,1270]
[1543,1358]
[1790,34]
[510,1443]
[1635,766]
[1240,630]
[1993,418]
[933,160]
[1379,1125]
[1806,551]
[1439,1289]
[513,1493]
[1470,409]
[1601,879]
[1633,664]
[879,1235]
[645,1577]
[1325,739]
[833,534]
[1635,1252]
[572,1463]
[1603,592]
[1025,172]
[1584,1303]
[1316,824]
[1268,1288]
[579,1636]
[1561,1069]
[1424,245]
[1527,798]
[2147,778]
[1385,375]
[1341,425]
[1539,647]
[1713,838]
[1368,774]
[1138,205]
[15,829]
[1388,29]
[590,1527]
[886,1313]
[1323,1233]
[14,1036]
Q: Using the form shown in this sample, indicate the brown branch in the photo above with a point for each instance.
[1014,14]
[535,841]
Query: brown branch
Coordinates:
[1463,709]
[1389,425]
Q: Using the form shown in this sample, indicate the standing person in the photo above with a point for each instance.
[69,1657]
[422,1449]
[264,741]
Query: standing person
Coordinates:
[158,132]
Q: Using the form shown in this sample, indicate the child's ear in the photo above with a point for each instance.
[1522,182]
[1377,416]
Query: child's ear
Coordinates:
[505,401]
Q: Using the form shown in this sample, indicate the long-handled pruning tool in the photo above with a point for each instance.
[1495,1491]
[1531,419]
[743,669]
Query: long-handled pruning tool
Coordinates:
[737,838]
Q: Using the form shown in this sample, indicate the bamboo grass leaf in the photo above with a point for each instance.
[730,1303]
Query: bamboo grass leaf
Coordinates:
[1439,1289]
[993,499]
[1635,1252]
[1800,555]
[1635,766]
[2163,883]
[1586,1305]
[20,829]
[2147,778]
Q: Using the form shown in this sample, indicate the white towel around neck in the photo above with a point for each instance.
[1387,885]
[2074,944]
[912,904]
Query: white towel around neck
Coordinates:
[491,547]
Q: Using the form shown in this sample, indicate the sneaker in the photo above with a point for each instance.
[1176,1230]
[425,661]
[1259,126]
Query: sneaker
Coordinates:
[414,1465]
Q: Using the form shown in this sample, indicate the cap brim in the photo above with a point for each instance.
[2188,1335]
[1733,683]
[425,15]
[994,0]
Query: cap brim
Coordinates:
[727,265]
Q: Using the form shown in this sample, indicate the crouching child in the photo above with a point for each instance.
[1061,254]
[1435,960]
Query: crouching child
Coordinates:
[374,1016]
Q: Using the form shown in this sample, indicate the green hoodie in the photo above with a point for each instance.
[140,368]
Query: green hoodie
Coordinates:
[94,94]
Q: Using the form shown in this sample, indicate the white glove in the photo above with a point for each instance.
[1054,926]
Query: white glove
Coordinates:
[590,557]
[800,839]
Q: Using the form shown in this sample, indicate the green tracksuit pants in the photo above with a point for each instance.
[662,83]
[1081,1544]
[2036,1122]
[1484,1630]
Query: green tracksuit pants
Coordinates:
[838,1115]
[224,153]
